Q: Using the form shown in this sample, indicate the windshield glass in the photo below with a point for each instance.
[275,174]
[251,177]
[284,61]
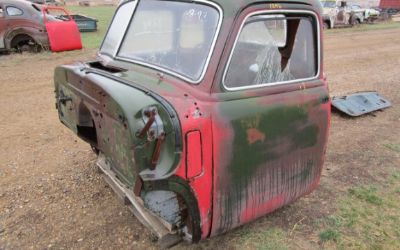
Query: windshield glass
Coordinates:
[174,36]
[328,4]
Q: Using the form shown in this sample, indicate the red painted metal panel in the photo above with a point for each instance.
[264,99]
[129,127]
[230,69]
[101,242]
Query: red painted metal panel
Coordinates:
[63,35]
[389,4]
[193,154]
[195,116]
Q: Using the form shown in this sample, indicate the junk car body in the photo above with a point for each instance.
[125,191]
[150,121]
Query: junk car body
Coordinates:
[26,26]
[21,26]
[205,115]
[368,14]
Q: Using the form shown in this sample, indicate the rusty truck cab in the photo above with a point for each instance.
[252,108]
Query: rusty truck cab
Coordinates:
[205,114]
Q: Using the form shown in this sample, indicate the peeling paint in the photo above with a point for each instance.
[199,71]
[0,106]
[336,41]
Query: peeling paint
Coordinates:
[260,149]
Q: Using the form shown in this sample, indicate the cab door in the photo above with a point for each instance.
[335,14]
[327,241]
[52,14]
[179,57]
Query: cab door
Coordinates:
[271,121]
[63,36]
[3,26]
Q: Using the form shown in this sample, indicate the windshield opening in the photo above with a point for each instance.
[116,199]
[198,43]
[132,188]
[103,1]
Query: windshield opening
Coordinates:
[174,36]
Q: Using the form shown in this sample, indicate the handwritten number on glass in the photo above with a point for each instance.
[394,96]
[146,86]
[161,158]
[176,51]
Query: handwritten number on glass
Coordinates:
[195,15]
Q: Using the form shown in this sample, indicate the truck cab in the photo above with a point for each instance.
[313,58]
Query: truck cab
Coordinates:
[205,115]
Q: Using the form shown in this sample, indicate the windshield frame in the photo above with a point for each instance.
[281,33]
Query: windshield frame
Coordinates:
[160,68]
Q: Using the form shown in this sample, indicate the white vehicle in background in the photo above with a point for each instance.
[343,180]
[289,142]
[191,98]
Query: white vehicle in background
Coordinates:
[339,13]
[369,14]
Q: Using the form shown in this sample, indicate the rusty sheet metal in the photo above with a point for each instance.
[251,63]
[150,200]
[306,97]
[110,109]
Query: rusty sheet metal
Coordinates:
[360,103]
[229,156]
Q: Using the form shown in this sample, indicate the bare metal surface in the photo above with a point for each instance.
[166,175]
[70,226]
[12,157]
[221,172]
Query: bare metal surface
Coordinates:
[164,204]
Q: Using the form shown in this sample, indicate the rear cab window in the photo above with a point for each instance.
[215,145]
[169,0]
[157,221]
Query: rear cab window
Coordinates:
[14,11]
[274,48]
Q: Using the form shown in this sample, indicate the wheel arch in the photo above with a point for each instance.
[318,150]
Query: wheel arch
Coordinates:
[181,188]
[20,34]
[86,127]
[355,20]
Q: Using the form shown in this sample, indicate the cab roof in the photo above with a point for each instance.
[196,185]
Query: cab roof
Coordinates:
[17,2]
[20,3]
[236,5]
[242,3]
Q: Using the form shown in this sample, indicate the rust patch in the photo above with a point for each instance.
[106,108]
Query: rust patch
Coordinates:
[254,135]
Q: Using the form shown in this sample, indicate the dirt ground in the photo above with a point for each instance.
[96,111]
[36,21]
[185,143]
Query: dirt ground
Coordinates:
[51,195]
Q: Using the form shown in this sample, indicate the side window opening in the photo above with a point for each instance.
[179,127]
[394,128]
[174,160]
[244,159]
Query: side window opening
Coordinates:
[1,12]
[14,11]
[273,49]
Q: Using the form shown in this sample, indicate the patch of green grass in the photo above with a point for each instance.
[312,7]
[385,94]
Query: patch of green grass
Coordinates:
[368,217]
[330,235]
[368,194]
[367,27]
[104,16]
[334,221]
[393,147]
[268,239]
[396,175]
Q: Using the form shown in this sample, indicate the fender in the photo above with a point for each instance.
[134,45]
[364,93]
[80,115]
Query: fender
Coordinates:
[39,38]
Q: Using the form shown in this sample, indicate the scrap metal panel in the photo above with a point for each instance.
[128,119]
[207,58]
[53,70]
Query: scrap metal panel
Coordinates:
[360,103]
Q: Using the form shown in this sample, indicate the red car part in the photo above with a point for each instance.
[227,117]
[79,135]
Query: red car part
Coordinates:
[63,35]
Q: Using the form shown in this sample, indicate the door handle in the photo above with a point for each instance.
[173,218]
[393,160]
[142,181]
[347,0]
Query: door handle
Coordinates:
[63,99]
